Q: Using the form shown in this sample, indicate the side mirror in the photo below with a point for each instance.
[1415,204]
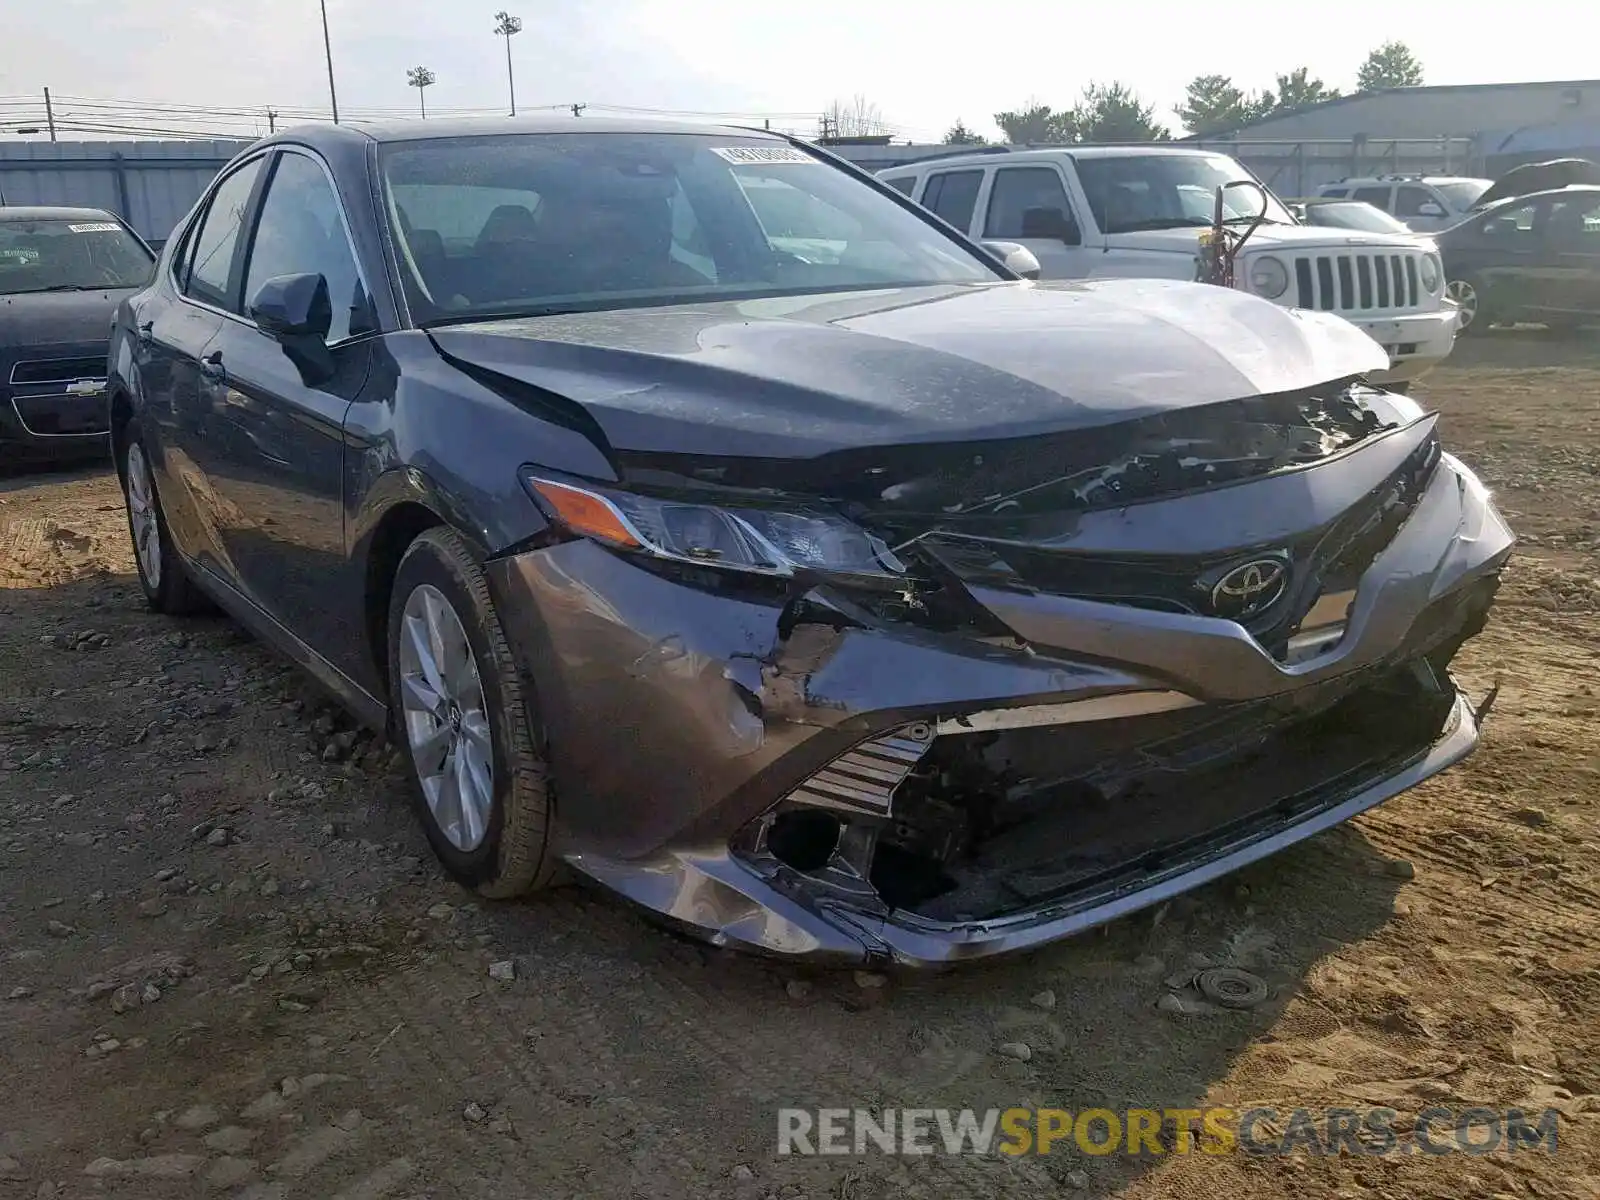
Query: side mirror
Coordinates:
[1429,209]
[1050,223]
[1016,257]
[295,311]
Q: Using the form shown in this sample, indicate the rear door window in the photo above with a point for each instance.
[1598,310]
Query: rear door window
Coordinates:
[901,183]
[213,271]
[953,195]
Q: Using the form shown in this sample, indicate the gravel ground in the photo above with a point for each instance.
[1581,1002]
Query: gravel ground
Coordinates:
[230,967]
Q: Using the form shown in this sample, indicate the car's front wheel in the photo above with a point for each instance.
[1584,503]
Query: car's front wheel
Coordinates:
[1468,294]
[461,711]
[162,575]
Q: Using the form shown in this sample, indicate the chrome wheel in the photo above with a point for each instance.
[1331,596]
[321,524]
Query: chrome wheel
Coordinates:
[1466,298]
[142,521]
[446,719]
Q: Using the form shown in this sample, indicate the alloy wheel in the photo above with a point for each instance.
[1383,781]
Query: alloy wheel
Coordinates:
[1466,298]
[142,522]
[446,718]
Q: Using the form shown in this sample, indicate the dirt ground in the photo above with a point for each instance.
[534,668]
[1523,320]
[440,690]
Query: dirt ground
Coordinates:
[229,966]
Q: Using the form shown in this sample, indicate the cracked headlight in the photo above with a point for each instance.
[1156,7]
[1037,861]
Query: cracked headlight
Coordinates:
[758,540]
[1431,272]
[1269,278]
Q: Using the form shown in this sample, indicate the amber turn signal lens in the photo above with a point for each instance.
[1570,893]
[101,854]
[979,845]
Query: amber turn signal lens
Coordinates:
[585,513]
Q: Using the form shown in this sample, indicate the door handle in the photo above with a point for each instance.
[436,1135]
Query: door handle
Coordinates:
[211,368]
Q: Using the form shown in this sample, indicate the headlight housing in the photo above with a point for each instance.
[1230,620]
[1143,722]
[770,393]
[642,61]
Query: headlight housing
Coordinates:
[760,541]
[1431,272]
[1269,278]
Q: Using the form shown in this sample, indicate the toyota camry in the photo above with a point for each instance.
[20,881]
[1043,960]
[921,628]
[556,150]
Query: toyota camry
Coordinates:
[702,517]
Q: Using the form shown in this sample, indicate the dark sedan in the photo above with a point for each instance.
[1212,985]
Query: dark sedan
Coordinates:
[1529,258]
[62,273]
[828,589]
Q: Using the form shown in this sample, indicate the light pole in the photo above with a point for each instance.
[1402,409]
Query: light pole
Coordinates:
[327,49]
[507,26]
[420,78]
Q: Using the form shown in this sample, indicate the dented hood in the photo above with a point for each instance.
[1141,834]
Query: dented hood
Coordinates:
[804,376]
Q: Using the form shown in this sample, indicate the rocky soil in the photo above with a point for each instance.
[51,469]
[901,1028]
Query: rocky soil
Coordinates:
[229,966]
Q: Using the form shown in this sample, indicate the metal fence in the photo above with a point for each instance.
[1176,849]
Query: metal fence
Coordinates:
[148,184]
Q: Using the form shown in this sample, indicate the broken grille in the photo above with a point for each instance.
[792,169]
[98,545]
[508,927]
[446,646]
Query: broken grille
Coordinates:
[1358,282]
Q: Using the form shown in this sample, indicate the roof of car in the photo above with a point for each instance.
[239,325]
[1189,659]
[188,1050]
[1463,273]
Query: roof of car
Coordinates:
[1007,154]
[325,133]
[44,212]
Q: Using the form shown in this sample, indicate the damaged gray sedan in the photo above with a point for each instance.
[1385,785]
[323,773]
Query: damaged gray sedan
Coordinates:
[702,515]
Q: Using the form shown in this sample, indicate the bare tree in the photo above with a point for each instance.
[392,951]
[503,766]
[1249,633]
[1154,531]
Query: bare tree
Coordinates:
[507,26]
[859,117]
[420,78]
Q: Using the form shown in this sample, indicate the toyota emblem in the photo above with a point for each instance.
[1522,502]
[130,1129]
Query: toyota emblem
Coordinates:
[1249,588]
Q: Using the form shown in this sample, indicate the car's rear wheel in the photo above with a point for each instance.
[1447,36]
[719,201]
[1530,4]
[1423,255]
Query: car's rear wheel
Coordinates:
[162,575]
[461,711]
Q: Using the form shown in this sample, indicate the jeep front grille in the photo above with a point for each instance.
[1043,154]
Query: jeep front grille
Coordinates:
[1358,281]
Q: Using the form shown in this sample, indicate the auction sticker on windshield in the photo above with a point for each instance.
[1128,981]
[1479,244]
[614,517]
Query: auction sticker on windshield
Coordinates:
[764,155]
[96,227]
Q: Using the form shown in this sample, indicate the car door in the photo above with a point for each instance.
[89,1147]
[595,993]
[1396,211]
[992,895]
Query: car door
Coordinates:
[277,433]
[177,384]
[1029,205]
[1572,241]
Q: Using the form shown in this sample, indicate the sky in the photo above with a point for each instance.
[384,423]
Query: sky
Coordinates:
[921,65]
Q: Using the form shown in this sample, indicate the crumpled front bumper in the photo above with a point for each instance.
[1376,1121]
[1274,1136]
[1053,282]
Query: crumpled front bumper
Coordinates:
[675,718]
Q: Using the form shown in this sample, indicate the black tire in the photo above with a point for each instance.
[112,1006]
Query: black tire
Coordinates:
[173,592]
[513,857]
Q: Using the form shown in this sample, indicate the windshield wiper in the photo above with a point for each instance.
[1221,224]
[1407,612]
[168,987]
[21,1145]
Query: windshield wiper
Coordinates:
[66,287]
[1251,220]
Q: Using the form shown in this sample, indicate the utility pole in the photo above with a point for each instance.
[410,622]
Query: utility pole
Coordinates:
[272,122]
[327,49]
[507,26]
[49,115]
[577,109]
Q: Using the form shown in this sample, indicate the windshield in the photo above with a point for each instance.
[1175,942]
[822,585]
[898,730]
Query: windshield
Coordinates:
[1130,192]
[65,255]
[531,223]
[1355,214]
[1462,193]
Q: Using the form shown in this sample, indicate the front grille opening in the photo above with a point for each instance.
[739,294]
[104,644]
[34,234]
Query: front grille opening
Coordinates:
[1050,817]
[59,370]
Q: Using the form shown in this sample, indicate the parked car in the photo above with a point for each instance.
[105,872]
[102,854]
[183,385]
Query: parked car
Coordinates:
[856,604]
[1528,258]
[1090,212]
[1425,203]
[1353,214]
[62,273]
